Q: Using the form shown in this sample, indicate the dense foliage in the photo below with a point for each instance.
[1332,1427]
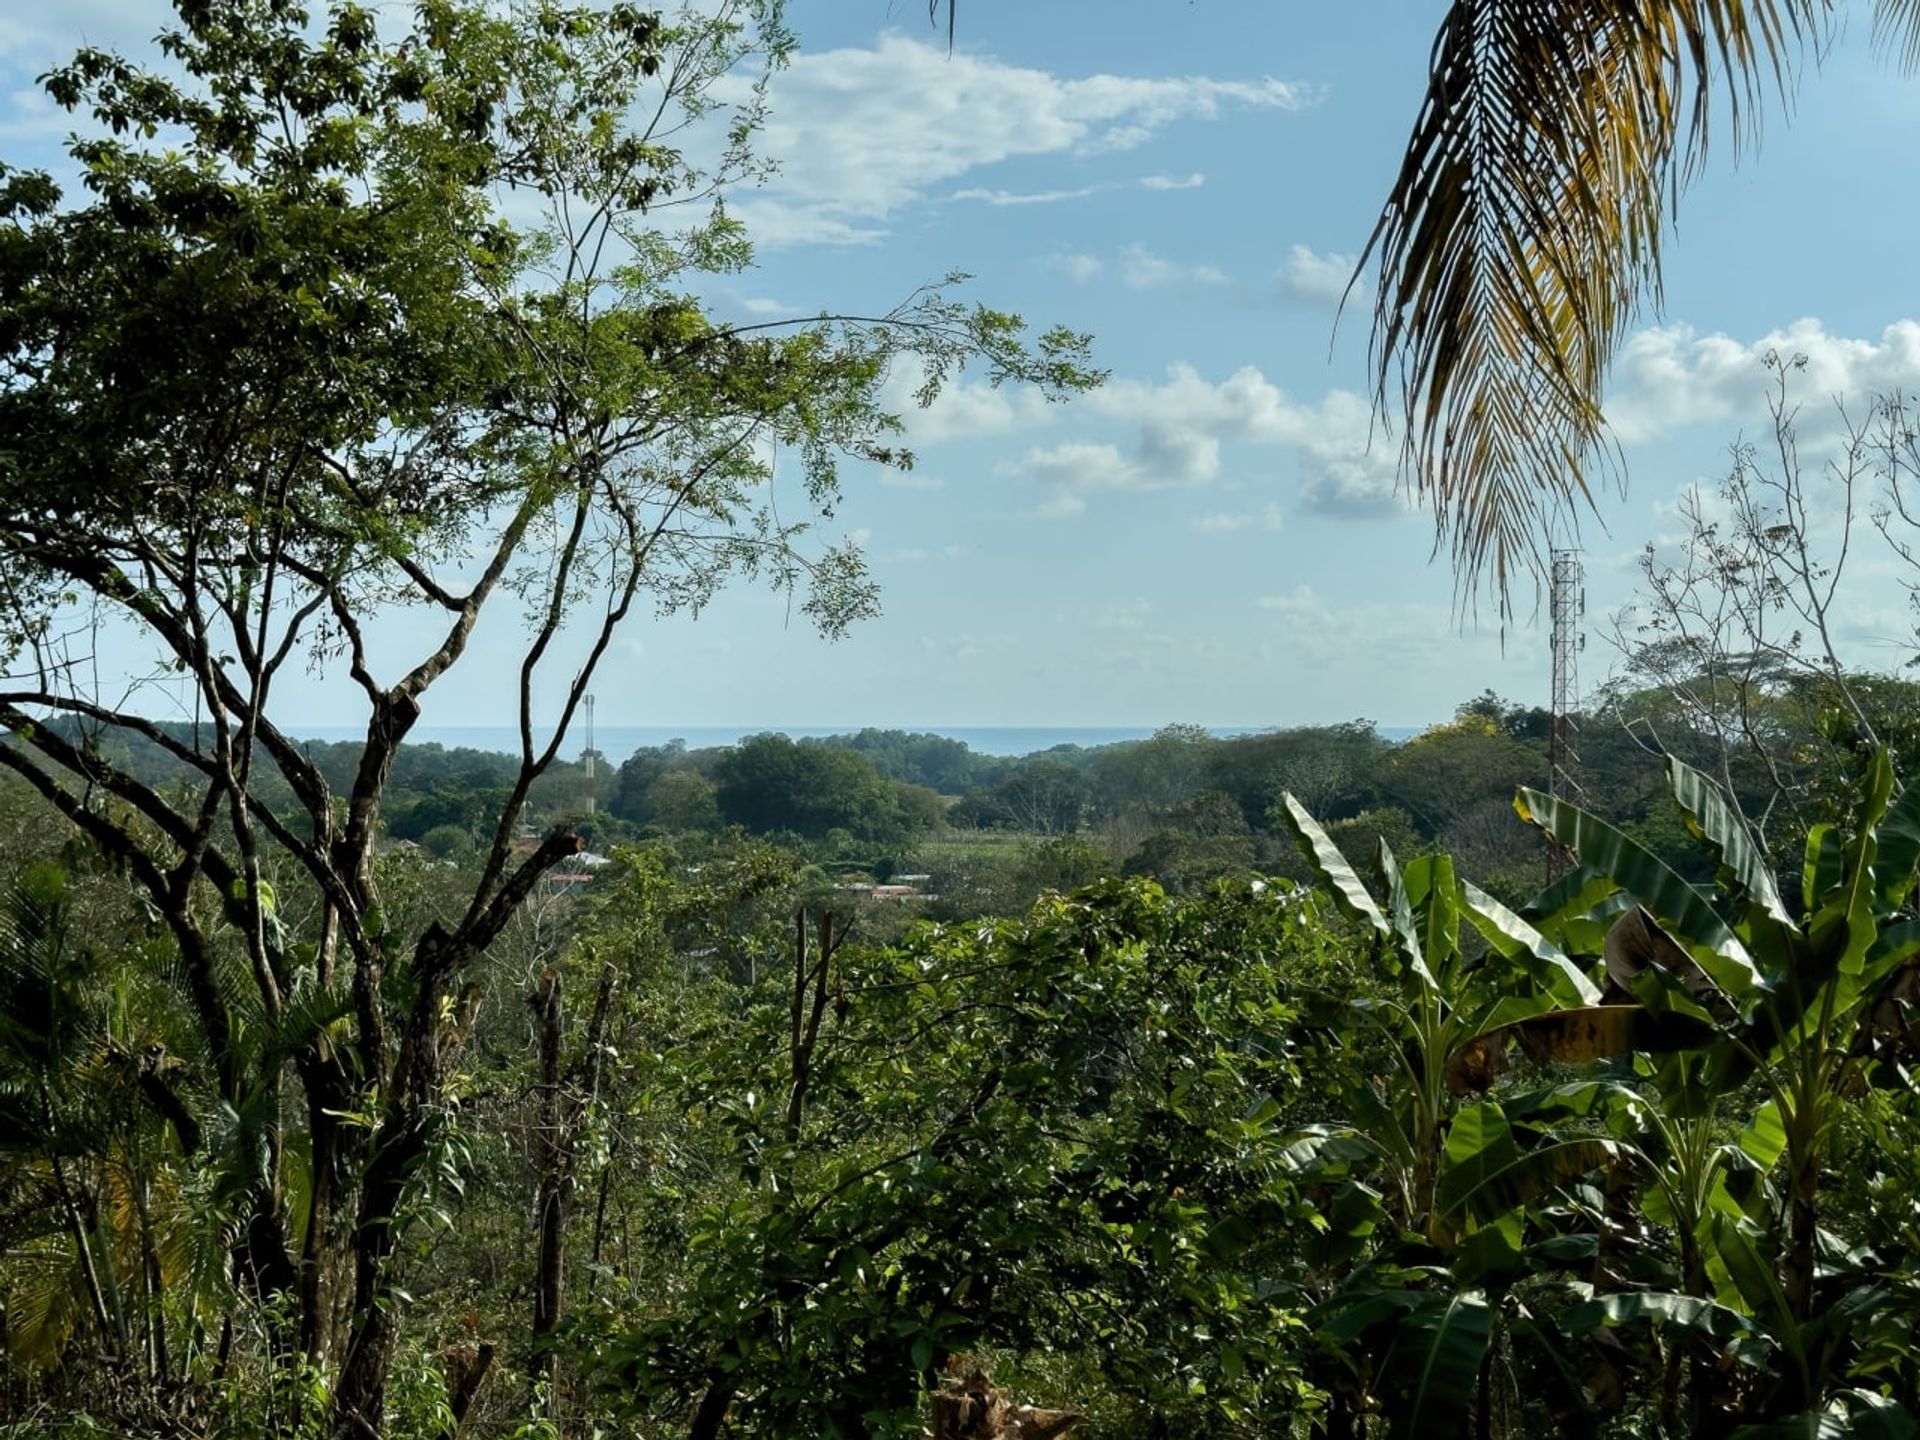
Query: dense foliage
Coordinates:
[1200,1086]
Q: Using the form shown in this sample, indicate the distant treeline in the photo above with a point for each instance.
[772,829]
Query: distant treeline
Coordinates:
[1183,805]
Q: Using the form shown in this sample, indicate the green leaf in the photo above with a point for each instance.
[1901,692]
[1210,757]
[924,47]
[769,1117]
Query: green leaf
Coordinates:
[1435,895]
[1480,1144]
[1510,936]
[1492,1251]
[1639,1307]
[1752,1277]
[1682,910]
[1892,948]
[1765,1138]
[1711,819]
[1336,875]
[1875,1417]
[1825,863]
[1351,1313]
[1319,1149]
[1400,909]
[1571,897]
[1900,847]
[1435,1363]
[1845,927]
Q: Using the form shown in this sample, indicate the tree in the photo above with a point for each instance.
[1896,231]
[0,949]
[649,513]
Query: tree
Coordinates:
[683,800]
[304,360]
[1047,797]
[984,1138]
[638,773]
[769,784]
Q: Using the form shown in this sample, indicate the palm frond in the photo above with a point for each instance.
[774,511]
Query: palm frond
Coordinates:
[1896,28]
[1523,232]
[42,1302]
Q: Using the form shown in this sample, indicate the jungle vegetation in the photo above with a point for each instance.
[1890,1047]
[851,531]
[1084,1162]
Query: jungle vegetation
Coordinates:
[1221,1087]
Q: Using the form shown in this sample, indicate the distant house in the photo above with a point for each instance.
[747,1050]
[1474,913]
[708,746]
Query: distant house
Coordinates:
[894,894]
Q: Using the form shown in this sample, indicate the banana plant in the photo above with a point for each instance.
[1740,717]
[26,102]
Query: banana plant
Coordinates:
[1791,985]
[1790,989]
[1452,1016]
[1460,1170]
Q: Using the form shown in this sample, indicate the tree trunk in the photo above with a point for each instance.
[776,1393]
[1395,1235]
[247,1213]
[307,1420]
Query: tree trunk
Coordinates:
[712,1413]
[551,1152]
[1802,1241]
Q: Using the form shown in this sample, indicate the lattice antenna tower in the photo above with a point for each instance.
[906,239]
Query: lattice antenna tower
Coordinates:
[1567,607]
[589,758]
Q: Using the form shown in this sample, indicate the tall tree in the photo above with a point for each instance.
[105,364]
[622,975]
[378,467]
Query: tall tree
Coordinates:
[348,315]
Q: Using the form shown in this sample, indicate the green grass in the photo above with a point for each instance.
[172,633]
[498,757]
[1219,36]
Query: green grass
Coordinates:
[972,845]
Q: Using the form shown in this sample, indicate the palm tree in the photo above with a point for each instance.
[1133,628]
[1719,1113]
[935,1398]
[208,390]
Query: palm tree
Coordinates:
[1523,234]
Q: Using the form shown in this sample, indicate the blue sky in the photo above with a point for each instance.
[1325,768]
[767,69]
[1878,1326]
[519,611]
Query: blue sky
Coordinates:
[1211,538]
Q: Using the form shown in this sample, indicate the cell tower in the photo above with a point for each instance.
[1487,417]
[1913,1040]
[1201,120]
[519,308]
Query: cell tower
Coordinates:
[590,757]
[1568,607]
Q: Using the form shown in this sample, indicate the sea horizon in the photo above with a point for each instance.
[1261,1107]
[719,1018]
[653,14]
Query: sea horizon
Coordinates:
[616,742]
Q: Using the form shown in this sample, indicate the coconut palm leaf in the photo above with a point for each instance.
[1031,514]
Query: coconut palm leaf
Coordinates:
[1524,229]
[1896,27]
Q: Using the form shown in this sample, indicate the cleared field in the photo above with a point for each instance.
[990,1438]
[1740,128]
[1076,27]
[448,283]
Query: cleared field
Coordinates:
[973,845]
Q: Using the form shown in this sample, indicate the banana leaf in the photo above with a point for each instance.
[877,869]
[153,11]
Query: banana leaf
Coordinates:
[1512,937]
[1640,1307]
[1711,819]
[1899,847]
[1331,866]
[1682,910]
[1435,1363]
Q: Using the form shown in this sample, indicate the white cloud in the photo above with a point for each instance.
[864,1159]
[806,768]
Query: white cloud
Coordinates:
[1669,377]
[56,31]
[1025,197]
[861,133]
[964,409]
[1141,269]
[1345,469]
[1305,628]
[761,305]
[1080,268]
[1164,458]
[1182,423]
[910,480]
[992,196]
[1064,506]
[1124,616]
[1219,523]
[1323,279]
[1298,603]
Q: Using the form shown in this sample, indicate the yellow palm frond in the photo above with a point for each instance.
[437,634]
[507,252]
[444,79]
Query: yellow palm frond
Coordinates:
[43,1309]
[1523,229]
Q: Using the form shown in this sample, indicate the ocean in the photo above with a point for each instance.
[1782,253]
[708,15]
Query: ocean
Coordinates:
[617,742]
